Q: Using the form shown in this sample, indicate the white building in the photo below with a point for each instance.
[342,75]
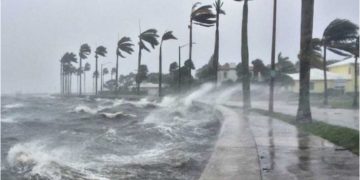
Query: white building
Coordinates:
[227,72]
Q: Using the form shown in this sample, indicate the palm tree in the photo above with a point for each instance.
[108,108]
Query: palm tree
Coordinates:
[217,5]
[125,45]
[272,74]
[202,16]
[83,53]
[104,72]
[245,57]
[150,37]
[167,36]
[307,15]
[86,68]
[100,51]
[339,30]
[66,68]
[113,72]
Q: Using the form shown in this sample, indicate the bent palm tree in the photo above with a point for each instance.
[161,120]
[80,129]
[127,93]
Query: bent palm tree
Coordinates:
[339,30]
[167,36]
[86,68]
[83,54]
[217,5]
[66,68]
[307,16]
[150,36]
[245,57]
[125,45]
[100,51]
[202,16]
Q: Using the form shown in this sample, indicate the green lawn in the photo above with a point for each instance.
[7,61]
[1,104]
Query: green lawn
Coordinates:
[341,136]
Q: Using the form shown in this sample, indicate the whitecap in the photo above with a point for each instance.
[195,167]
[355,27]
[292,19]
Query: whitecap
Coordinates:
[16,105]
[117,115]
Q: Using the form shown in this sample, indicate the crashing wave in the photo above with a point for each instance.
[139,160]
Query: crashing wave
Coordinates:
[117,115]
[16,105]
[86,109]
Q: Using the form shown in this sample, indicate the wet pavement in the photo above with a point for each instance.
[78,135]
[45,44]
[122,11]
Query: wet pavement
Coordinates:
[340,117]
[287,153]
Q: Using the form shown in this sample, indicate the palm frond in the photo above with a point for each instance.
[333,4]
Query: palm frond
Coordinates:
[87,67]
[203,15]
[101,50]
[168,35]
[84,51]
[150,37]
[340,30]
[125,45]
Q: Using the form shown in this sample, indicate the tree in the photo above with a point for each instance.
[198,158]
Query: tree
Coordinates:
[174,70]
[113,72]
[66,71]
[245,57]
[84,51]
[272,74]
[339,30]
[167,36]
[86,68]
[141,75]
[217,5]
[307,15]
[124,45]
[202,16]
[100,51]
[150,36]
[104,72]
[284,65]
[260,68]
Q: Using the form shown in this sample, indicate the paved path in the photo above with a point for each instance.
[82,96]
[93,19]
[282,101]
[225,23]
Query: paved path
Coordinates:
[340,117]
[254,147]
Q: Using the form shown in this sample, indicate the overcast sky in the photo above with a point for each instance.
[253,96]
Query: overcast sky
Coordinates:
[36,33]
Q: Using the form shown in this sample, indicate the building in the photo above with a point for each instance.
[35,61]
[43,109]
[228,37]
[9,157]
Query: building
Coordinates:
[227,72]
[345,67]
[336,81]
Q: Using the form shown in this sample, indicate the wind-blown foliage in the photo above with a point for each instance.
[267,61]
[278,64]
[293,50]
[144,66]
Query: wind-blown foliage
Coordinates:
[125,45]
[166,36]
[84,51]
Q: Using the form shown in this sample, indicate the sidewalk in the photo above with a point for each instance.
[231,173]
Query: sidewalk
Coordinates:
[287,153]
[340,117]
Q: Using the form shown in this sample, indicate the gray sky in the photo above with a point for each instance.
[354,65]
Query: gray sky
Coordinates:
[36,33]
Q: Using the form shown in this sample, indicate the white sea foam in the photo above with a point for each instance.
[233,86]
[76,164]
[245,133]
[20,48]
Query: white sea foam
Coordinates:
[227,93]
[84,108]
[8,120]
[117,114]
[16,105]
[204,89]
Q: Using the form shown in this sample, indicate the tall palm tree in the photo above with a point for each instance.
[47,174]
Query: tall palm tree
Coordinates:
[150,36]
[84,51]
[307,15]
[272,74]
[202,16]
[66,68]
[217,5]
[125,45]
[167,36]
[245,57]
[86,68]
[339,30]
[100,51]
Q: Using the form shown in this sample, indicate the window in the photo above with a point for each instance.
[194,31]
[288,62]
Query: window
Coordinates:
[312,85]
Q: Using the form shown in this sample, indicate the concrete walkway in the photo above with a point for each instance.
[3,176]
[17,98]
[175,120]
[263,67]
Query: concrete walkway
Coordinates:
[340,117]
[235,155]
[287,153]
[254,147]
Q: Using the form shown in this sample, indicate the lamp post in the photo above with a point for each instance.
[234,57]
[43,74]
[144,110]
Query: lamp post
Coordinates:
[179,80]
[102,75]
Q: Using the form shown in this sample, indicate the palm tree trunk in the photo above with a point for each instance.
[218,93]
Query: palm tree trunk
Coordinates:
[190,40]
[179,68]
[101,79]
[245,58]
[117,74]
[216,50]
[325,77]
[307,15]
[356,86]
[272,73]
[160,69]
[84,81]
[80,75]
[61,79]
[96,75]
[138,73]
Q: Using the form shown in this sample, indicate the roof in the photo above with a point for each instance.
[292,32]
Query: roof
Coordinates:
[318,74]
[344,62]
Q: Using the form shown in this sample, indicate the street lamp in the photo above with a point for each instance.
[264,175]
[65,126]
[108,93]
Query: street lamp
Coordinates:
[102,76]
[179,80]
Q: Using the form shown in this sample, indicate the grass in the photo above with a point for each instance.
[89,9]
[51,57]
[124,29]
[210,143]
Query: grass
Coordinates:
[341,136]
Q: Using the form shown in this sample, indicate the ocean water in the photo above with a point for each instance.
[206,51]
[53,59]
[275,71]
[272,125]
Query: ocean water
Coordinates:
[49,137]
